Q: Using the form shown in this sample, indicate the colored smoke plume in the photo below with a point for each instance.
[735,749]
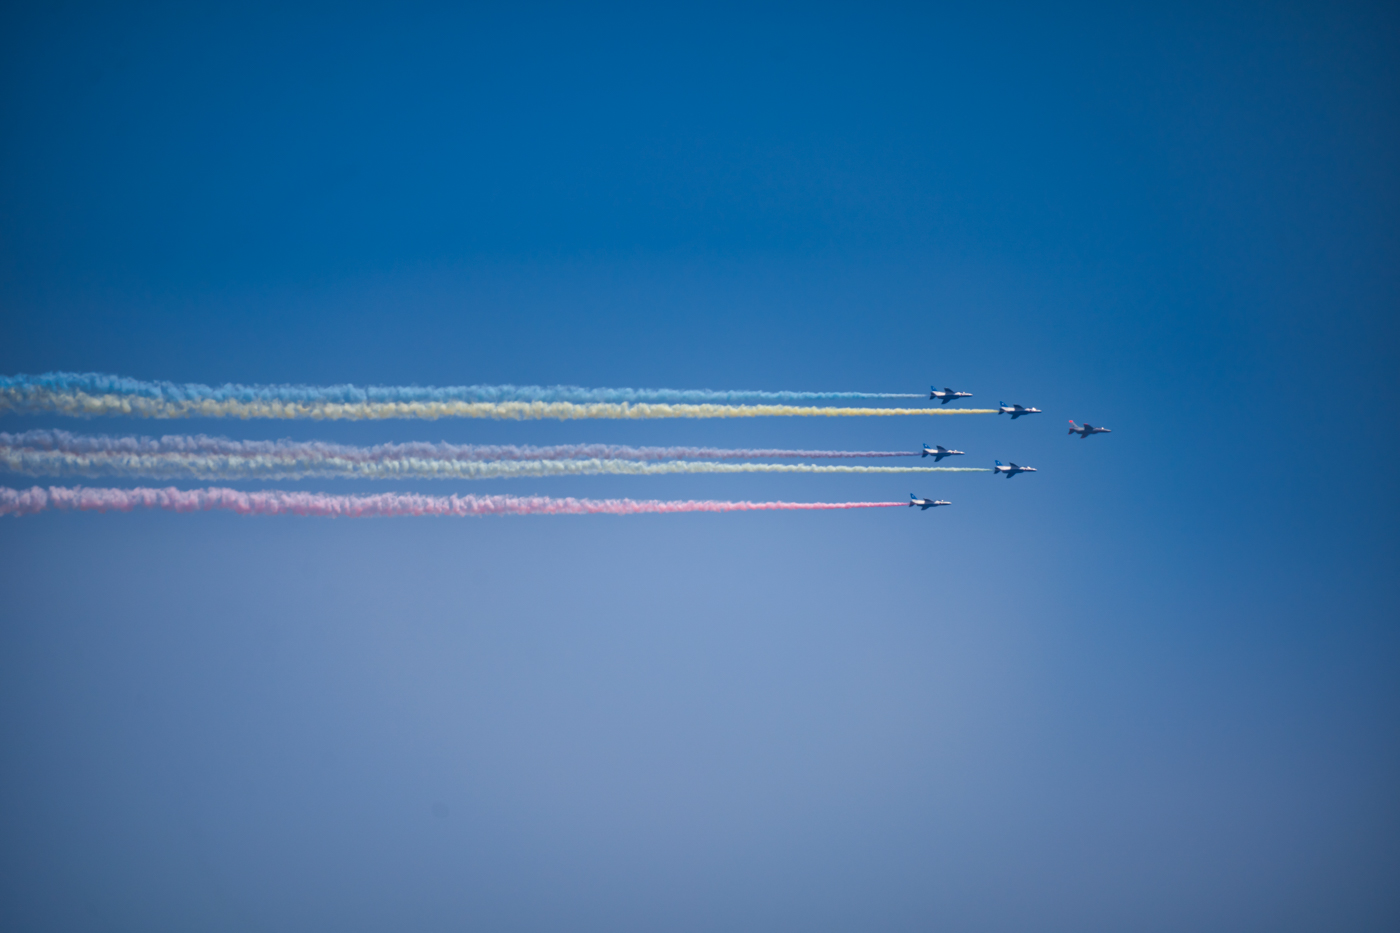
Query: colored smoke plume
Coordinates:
[99,384]
[67,442]
[277,502]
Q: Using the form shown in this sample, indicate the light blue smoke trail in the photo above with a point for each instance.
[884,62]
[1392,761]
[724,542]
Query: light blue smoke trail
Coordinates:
[16,388]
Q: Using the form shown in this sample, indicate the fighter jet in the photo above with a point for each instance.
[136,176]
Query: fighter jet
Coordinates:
[947,395]
[1086,429]
[925,504]
[1016,411]
[1012,470]
[939,452]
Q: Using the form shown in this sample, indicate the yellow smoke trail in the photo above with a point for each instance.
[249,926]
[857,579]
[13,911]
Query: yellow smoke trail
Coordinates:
[205,467]
[80,404]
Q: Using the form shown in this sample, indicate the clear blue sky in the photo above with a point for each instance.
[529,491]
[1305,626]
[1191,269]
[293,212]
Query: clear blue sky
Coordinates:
[1151,687]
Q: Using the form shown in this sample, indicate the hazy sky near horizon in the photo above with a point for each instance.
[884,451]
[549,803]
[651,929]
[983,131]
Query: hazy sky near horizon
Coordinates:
[1151,687]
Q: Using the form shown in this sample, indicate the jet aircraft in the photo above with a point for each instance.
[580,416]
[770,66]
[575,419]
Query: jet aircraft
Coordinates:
[939,452]
[925,504]
[947,395]
[1016,411]
[1086,429]
[1012,470]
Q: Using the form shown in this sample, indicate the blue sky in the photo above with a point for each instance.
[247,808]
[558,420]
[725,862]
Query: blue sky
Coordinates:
[1151,687]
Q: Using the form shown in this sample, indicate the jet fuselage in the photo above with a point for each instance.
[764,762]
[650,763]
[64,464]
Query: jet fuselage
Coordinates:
[1010,470]
[946,395]
[1016,411]
[939,452]
[925,504]
[1084,430]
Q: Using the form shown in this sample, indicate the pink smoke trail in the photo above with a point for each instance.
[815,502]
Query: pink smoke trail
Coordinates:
[277,502]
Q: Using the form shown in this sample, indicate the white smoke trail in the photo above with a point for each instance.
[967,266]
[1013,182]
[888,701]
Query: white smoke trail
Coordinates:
[277,502]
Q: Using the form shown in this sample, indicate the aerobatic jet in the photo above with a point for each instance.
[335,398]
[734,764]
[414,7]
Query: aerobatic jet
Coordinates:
[939,452]
[1016,411]
[1012,470]
[1086,429]
[946,395]
[925,504]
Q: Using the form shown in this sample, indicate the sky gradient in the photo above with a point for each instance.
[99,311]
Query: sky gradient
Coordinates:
[1152,686]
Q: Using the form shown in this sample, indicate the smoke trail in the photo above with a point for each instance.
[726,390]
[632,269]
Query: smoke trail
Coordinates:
[277,502]
[211,466]
[316,450]
[83,405]
[99,384]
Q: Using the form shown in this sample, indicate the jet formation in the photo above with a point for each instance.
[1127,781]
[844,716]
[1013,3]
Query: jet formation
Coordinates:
[1008,470]
[1086,429]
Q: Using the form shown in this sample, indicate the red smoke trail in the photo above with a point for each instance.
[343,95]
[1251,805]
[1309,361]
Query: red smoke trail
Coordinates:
[276,502]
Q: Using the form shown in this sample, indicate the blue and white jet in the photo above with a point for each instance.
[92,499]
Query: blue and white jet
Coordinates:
[939,452]
[1086,429]
[1016,411]
[925,504]
[946,395]
[1011,470]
